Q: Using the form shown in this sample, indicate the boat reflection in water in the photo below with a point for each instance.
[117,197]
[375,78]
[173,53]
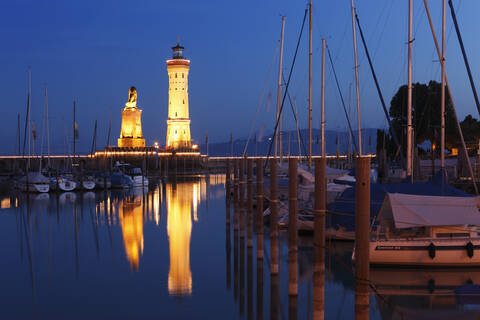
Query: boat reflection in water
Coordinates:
[180,198]
[427,293]
[131,220]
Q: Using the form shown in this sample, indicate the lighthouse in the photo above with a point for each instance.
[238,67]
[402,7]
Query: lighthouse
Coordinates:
[178,123]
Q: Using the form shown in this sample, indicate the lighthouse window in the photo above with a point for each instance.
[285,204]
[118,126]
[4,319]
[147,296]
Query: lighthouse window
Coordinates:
[175,75]
[183,101]
[184,132]
[175,114]
[183,75]
[175,131]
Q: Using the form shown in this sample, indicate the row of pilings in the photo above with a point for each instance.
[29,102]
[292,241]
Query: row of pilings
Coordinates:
[245,193]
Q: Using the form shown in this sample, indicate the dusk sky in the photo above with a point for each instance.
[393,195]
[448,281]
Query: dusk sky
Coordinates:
[93,51]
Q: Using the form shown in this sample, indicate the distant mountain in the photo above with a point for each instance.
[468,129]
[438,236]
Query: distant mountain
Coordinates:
[336,141]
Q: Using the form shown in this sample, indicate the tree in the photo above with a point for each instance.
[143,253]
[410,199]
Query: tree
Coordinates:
[471,132]
[426,104]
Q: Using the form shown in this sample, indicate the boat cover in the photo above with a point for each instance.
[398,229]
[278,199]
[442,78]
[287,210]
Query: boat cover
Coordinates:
[409,210]
[342,210]
[35,177]
[309,177]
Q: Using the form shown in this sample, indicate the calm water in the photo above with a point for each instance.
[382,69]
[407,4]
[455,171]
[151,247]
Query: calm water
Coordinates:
[167,254]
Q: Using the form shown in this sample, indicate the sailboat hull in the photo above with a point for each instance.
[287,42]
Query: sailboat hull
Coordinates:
[426,252]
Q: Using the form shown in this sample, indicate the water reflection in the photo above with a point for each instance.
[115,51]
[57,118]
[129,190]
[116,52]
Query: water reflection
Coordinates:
[179,227]
[131,220]
[438,293]
[79,250]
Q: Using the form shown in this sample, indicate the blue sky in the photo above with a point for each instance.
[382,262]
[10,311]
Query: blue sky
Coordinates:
[93,51]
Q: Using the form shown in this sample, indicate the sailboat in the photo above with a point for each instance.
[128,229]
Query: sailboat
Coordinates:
[421,230]
[31,181]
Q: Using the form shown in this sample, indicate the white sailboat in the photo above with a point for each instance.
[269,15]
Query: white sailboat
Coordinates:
[426,231]
[33,182]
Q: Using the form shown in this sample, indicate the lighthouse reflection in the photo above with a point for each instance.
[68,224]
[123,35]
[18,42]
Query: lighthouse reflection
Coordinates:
[181,199]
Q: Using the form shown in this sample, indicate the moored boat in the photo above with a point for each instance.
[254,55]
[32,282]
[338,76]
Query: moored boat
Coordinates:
[33,182]
[88,183]
[120,180]
[426,231]
[135,173]
[66,183]
[102,181]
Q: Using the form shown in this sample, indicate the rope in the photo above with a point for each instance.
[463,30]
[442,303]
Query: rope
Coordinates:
[286,89]
[341,97]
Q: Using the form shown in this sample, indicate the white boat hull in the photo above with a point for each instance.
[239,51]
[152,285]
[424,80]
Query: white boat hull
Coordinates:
[140,181]
[67,185]
[88,184]
[426,252]
[34,187]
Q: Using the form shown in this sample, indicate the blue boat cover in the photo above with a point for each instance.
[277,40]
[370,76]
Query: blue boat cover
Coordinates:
[341,212]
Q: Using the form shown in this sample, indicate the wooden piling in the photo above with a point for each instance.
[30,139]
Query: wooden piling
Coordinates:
[241,202]
[241,182]
[228,245]
[274,296]
[259,289]
[249,202]
[273,216]
[249,282]
[235,196]
[235,251]
[319,239]
[292,227]
[242,275]
[362,237]
[292,307]
[227,180]
[259,209]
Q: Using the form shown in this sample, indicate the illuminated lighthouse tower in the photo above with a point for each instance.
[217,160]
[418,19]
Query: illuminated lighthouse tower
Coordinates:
[178,123]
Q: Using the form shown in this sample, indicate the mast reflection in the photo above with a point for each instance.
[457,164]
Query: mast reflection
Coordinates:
[180,198]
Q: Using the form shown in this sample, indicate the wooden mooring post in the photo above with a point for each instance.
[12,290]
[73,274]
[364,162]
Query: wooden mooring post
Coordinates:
[259,209]
[249,203]
[362,238]
[273,216]
[241,202]
[292,227]
[319,239]
[228,244]
[227,180]
[235,197]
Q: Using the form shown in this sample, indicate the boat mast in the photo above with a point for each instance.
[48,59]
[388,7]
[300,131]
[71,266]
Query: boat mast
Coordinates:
[356,80]
[442,111]
[310,88]
[323,98]
[298,130]
[74,135]
[29,125]
[464,147]
[43,126]
[279,87]
[48,131]
[409,94]
[17,141]
[109,128]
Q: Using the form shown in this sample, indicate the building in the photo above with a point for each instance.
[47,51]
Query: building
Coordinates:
[131,133]
[178,123]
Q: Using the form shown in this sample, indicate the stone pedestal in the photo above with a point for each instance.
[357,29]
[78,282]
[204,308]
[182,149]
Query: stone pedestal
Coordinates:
[131,133]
